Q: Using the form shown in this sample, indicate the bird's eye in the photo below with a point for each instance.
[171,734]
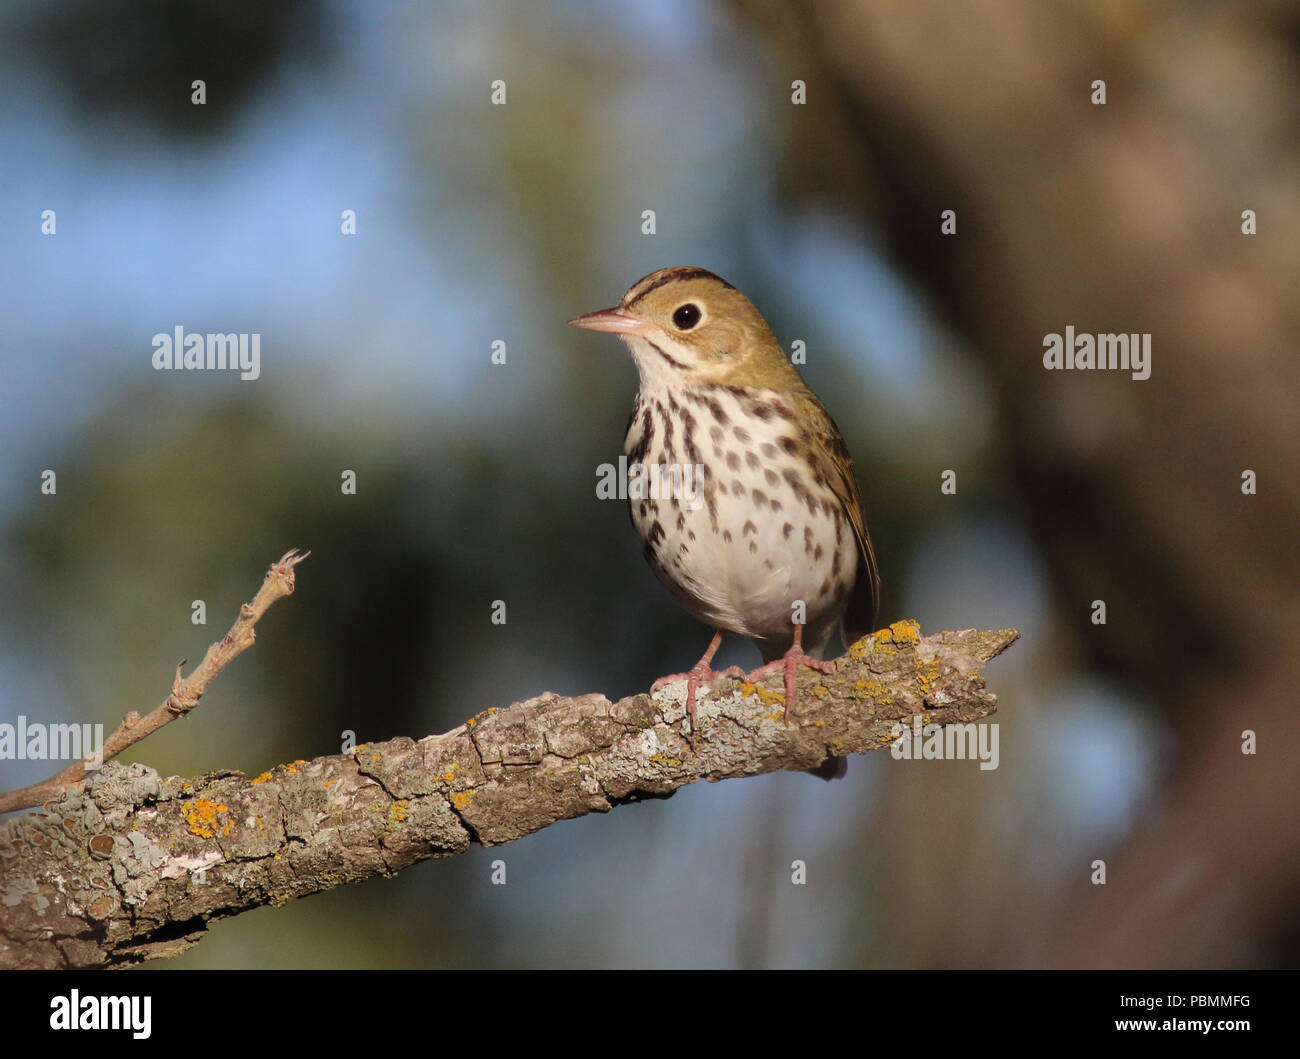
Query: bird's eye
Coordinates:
[686,316]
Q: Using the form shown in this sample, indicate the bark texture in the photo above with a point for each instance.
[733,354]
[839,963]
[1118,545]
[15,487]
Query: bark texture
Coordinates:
[132,866]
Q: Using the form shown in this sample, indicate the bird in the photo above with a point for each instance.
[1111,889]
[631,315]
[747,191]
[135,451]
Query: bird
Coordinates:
[757,526]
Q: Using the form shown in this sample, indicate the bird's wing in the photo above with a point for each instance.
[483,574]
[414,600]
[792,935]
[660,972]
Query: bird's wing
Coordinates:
[832,460]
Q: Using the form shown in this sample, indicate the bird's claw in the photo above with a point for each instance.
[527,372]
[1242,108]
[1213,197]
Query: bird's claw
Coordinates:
[700,675]
[787,664]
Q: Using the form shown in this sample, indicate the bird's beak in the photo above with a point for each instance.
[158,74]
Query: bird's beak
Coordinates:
[616,321]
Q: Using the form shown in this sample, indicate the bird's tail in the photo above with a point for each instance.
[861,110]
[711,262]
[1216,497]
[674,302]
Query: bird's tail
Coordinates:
[833,768]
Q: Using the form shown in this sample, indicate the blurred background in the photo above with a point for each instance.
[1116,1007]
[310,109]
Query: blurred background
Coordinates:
[479,223]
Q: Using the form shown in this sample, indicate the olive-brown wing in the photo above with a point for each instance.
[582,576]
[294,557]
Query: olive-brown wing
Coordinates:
[832,458]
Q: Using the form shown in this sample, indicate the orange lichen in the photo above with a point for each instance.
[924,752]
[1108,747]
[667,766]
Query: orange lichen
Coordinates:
[397,811]
[764,696]
[202,818]
[927,676]
[261,779]
[906,632]
[461,798]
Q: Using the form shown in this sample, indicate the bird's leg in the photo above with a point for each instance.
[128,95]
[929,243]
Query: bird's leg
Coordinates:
[788,662]
[700,673]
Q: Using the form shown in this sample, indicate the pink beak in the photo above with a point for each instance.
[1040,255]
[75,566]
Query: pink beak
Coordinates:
[616,321]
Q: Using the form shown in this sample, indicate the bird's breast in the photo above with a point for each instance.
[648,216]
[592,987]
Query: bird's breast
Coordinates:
[732,516]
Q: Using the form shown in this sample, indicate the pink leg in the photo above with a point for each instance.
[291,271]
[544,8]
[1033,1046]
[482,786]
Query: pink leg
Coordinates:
[788,662]
[700,673]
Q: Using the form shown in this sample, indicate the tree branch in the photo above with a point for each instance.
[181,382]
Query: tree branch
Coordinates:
[185,695]
[132,866]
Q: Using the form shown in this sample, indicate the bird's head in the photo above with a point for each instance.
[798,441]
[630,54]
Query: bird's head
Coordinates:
[685,326]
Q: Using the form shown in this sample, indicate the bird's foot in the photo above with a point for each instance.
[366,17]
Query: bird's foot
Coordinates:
[700,675]
[788,663]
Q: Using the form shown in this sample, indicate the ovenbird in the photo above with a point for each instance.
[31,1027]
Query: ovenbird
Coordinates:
[771,544]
